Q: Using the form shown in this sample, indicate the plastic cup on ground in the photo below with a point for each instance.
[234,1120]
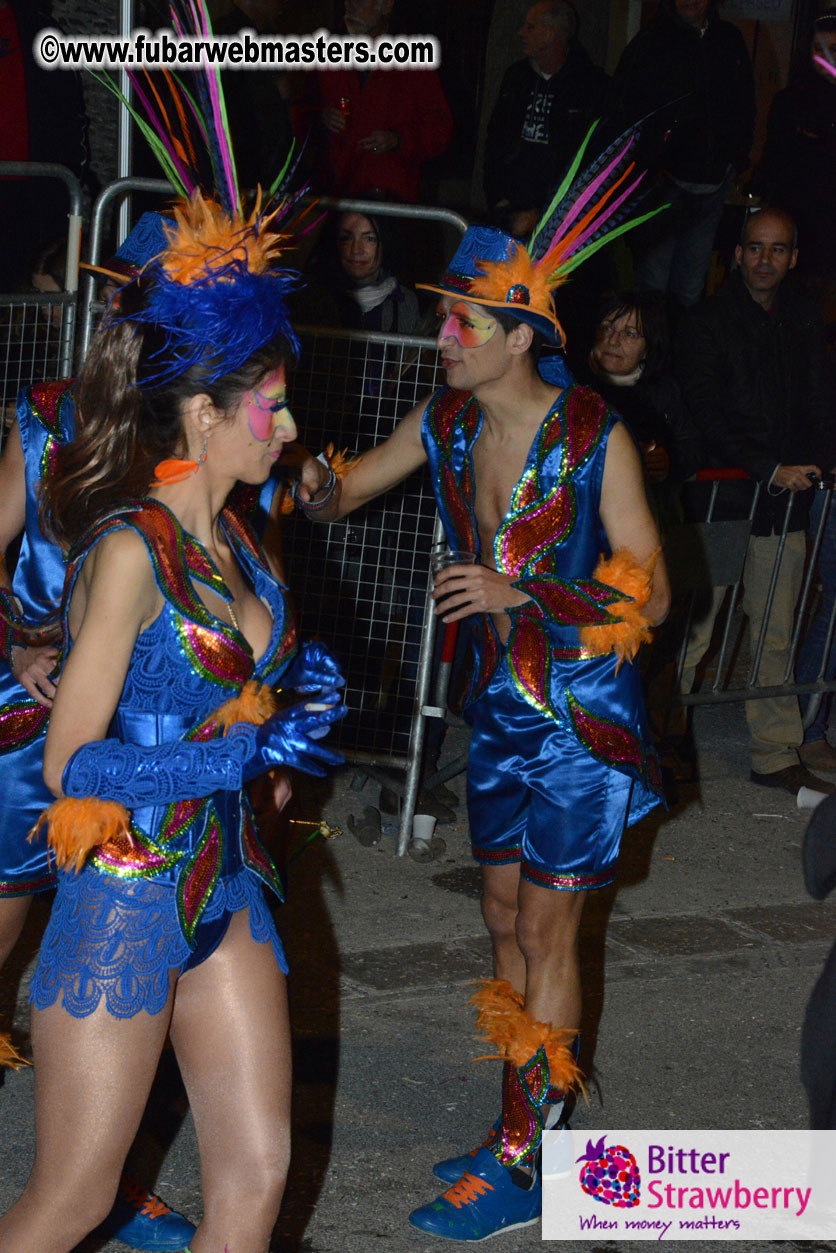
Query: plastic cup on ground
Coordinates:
[423,827]
[808,798]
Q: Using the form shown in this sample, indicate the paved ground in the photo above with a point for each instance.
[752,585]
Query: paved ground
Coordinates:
[698,967]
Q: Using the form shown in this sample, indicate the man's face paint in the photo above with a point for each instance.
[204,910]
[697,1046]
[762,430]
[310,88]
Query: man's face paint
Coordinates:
[470,326]
[266,406]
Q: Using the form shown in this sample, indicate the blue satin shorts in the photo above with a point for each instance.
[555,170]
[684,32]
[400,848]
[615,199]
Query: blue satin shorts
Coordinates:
[536,796]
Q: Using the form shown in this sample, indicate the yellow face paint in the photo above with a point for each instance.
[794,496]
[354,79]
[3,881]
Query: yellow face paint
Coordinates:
[469,325]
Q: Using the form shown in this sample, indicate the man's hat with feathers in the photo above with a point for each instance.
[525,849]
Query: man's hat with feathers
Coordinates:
[590,207]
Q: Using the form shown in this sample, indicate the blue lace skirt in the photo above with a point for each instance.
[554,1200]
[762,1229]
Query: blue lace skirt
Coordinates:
[119,939]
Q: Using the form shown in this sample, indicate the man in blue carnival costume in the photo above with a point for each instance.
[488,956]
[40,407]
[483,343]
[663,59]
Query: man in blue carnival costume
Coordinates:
[28,665]
[536,476]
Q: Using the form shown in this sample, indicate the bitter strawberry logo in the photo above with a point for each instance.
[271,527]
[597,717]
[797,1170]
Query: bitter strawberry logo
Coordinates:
[610,1175]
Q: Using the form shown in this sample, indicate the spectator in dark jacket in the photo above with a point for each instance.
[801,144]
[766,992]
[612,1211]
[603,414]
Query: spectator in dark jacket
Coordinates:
[545,105]
[754,372]
[629,366]
[798,169]
[692,72]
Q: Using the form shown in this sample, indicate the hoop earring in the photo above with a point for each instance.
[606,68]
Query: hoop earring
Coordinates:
[176,469]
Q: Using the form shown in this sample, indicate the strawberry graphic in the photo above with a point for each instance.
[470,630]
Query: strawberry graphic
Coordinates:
[610,1175]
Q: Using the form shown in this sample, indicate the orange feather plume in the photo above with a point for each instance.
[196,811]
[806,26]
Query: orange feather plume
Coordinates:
[204,239]
[503,1021]
[623,572]
[498,277]
[77,825]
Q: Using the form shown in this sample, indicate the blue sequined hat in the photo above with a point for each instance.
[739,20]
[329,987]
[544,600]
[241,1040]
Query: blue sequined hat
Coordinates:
[489,244]
[591,207]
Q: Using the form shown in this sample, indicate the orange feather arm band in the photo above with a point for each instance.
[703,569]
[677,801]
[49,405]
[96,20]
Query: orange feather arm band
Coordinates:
[633,628]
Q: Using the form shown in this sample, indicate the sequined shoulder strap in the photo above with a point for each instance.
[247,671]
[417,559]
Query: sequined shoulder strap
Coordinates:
[237,524]
[448,410]
[176,557]
[586,419]
[52,404]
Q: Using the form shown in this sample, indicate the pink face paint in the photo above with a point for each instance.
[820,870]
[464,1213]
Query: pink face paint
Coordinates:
[263,403]
[468,325]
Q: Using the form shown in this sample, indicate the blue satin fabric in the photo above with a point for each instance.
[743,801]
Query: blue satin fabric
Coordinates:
[535,795]
[536,791]
[119,938]
[37,582]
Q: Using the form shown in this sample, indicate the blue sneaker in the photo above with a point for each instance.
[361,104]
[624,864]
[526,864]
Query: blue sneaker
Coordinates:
[142,1221]
[483,1203]
[452,1168]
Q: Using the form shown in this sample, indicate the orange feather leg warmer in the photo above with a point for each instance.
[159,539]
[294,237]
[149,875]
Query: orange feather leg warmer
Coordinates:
[504,1022]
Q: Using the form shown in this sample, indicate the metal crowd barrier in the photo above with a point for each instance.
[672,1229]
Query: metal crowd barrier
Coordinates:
[360,584]
[707,559]
[37,330]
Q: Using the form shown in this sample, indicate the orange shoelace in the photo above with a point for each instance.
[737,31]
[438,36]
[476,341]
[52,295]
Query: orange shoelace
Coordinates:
[148,1203]
[468,1188]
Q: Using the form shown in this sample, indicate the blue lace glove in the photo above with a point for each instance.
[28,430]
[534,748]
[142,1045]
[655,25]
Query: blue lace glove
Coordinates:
[313,669]
[158,774]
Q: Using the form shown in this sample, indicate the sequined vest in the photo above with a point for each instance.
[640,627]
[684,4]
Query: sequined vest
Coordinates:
[184,666]
[45,419]
[552,528]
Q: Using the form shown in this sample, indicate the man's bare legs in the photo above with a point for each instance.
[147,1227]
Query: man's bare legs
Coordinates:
[13,911]
[534,932]
[229,1026]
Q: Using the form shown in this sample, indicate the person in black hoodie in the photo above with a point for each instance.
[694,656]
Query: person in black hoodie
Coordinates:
[545,105]
[690,75]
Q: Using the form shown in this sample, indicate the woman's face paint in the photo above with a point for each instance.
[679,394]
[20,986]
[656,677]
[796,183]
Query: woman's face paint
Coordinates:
[266,408]
[468,325]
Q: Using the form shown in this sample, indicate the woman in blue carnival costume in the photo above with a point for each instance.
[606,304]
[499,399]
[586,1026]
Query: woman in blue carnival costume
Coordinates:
[176,634]
[29,634]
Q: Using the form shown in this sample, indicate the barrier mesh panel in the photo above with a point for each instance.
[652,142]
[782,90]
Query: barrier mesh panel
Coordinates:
[361,583]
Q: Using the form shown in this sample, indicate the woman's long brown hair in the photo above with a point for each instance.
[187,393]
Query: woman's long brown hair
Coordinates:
[123,429]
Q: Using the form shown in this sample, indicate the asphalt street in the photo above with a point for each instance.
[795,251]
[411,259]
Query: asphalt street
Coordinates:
[698,964]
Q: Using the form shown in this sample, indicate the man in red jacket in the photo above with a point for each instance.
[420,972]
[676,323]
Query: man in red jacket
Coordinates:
[382,125]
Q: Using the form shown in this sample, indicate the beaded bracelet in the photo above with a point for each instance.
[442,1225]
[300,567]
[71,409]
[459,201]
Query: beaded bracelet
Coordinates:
[311,506]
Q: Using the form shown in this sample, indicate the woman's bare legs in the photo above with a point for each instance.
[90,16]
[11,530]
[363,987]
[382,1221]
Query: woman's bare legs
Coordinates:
[92,1078]
[231,1035]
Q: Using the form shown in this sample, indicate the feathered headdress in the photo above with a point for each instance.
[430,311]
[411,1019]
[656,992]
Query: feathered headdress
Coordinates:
[217,292]
[590,208]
